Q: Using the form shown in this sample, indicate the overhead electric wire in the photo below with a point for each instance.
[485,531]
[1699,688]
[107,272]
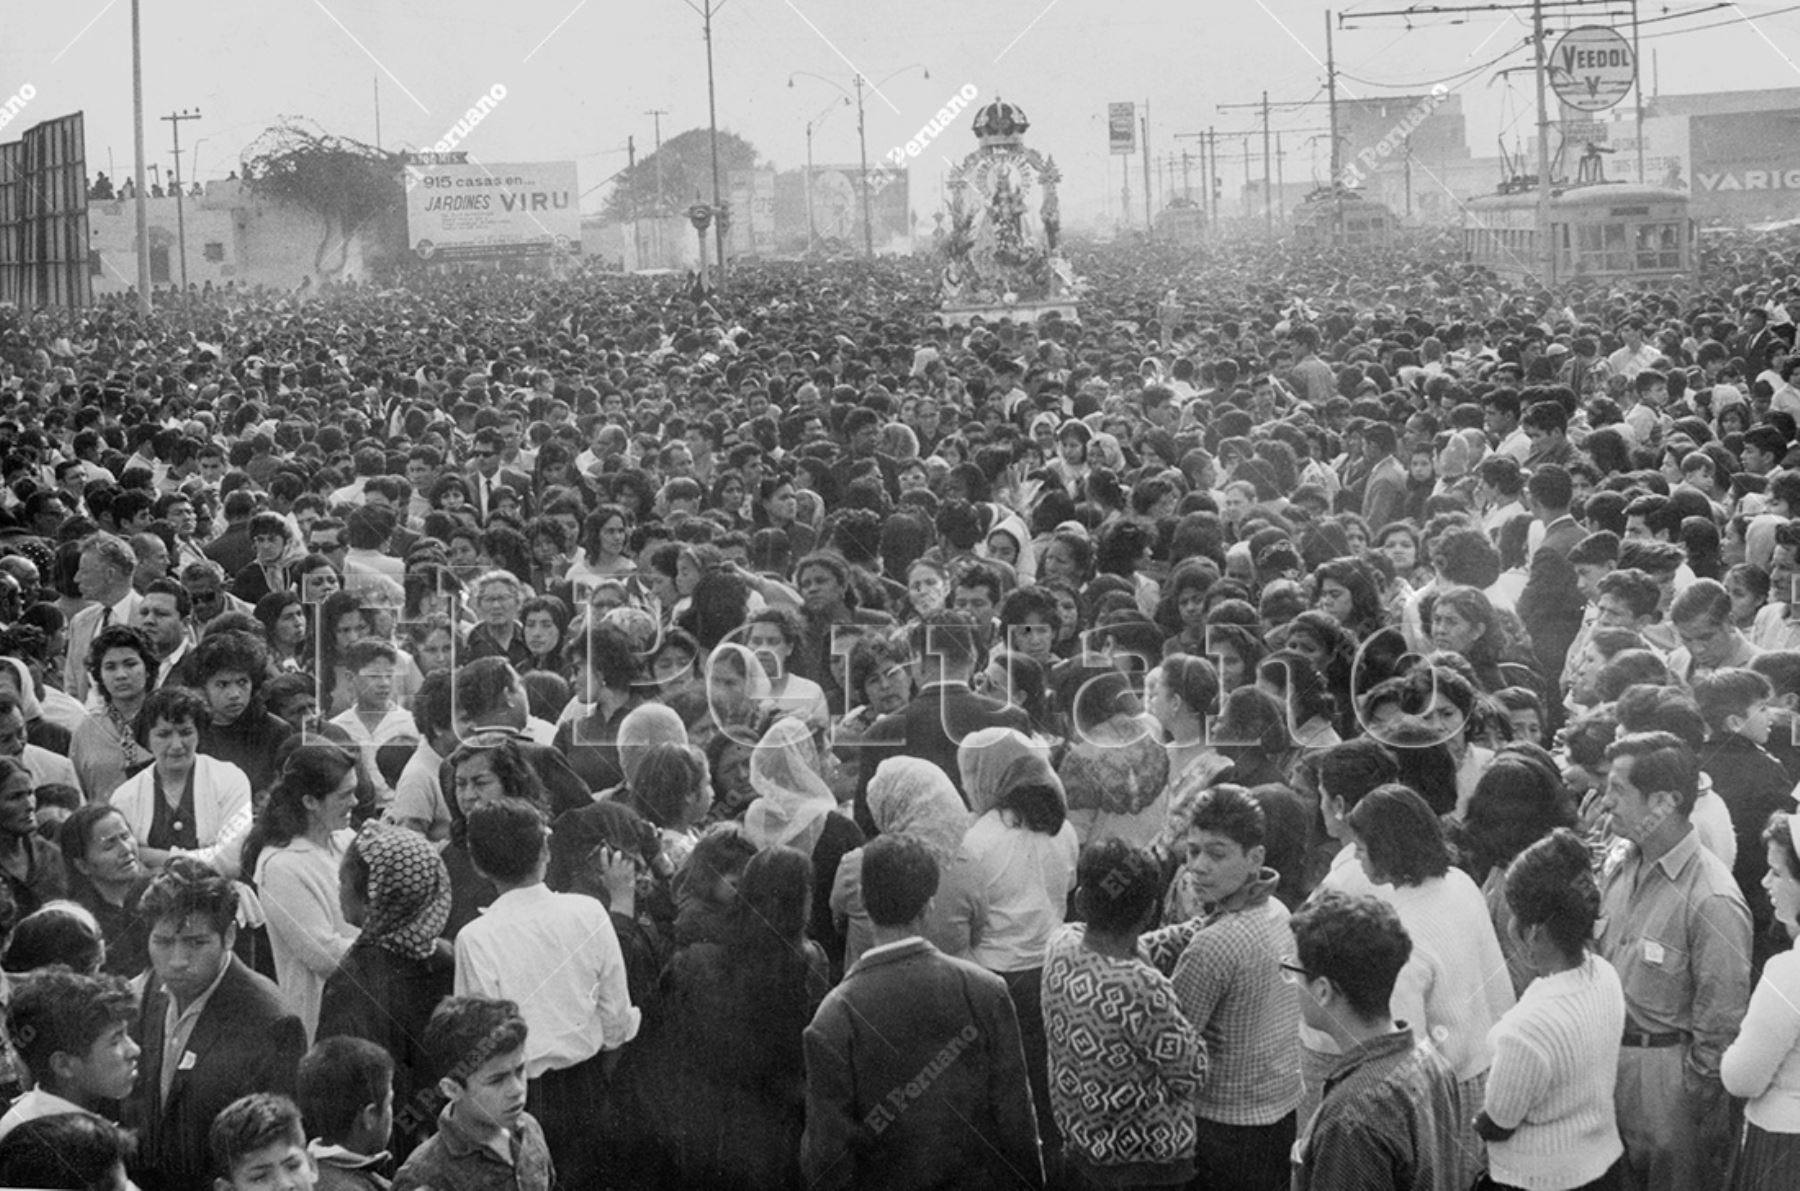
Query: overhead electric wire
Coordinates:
[1494,61]
[1762,16]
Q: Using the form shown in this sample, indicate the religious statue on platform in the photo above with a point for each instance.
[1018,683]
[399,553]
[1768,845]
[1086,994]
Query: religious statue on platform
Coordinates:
[1001,247]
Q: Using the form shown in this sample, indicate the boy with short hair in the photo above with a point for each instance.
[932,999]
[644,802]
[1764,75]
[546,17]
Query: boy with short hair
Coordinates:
[346,1093]
[1735,704]
[73,1033]
[258,1142]
[485,1137]
[1228,978]
[1782,668]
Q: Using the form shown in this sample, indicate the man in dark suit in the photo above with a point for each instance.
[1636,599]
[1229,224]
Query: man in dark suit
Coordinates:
[946,648]
[915,1074]
[211,1029]
[488,474]
[1757,345]
[1551,605]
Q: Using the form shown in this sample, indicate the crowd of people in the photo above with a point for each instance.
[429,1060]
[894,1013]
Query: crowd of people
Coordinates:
[1318,721]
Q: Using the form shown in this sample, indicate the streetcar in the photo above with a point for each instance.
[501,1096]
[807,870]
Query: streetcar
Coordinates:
[1343,218]
[1603,231]
[1181,222]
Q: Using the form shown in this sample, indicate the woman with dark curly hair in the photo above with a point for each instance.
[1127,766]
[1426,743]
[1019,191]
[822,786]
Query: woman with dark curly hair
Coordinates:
[1463,621]
[283,617]
[1519,800]
[121,664]
[1344,589]
[305,829]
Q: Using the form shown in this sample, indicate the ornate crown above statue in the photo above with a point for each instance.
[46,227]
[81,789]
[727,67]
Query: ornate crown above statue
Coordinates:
[1001,247]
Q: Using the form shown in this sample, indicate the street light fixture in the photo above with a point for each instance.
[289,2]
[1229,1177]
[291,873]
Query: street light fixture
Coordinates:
[862,140]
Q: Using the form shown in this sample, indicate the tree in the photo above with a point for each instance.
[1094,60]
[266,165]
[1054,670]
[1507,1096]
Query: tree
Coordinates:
[347,183]
[686,170]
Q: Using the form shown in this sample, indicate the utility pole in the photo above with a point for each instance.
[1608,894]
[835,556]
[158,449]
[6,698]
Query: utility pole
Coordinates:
[1268,190]
[175,119]
[862,149]
[712,120]
[1280,180]
[1187,190]
[1212,194]
[1144,121]
[375,85]
[1548,250]
[1637,85]
[1266,108]
[1337,180]
[140,199]
[660,208]
[637,233]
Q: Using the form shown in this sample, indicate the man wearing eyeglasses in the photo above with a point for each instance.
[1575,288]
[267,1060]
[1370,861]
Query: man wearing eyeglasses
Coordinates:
[1392,1112]
[486,454]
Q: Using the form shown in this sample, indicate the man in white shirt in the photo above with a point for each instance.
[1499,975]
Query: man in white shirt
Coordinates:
[104,579]
[1503,429]
[419,801]
[1636,355]
[557,957]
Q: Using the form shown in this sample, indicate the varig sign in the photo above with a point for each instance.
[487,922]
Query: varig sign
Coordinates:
[1592,68]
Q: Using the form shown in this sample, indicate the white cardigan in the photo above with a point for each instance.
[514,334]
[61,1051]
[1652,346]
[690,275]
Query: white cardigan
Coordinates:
[222,810]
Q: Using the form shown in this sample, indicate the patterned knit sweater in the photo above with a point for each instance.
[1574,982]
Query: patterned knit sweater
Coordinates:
[1125,1065]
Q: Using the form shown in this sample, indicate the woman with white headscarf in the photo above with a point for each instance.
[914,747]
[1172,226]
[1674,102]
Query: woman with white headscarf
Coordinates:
[1009,890]
[795,808]
[910,797]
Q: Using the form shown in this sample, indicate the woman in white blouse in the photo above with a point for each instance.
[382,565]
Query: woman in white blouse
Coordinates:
[184,803]
[1008,890]
[1455,987]
[305,830]
[1549,1119]
[1763,1064]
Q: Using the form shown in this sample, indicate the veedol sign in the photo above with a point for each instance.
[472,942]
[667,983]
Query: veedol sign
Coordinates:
[1592,68]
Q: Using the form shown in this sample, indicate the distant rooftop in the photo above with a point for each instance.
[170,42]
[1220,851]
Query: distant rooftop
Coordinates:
[1718,103]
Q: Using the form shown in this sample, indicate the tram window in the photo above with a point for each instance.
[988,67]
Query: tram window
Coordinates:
[1618,253]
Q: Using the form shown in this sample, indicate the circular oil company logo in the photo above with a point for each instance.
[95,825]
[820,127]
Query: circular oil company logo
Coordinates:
[1592,68]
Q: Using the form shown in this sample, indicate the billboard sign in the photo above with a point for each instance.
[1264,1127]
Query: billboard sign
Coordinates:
[1121,127]
[1745,166]
[466,211]
[1592,68]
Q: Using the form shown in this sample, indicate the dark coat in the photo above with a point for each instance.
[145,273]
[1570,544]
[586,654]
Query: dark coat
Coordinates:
[387,999]
[915,1079]
[1551,605]
[232,549]
[246,1040]
[931,726]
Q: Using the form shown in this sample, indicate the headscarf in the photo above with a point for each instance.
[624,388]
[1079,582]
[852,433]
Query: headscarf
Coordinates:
[409,890]
[987,759]
[28,700]
[792,799]
[912,797]
[1013,525]
[645,726]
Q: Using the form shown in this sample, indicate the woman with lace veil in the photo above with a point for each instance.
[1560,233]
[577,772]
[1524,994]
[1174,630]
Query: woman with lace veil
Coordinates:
[795,808]
[912,797]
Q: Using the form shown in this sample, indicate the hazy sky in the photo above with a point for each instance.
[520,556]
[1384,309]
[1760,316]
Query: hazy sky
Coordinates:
[580,74]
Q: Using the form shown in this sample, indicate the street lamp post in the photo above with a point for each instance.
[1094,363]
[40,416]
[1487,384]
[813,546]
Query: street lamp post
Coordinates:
[862,141]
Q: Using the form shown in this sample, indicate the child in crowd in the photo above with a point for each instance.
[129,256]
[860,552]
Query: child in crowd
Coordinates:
[1735,705]
[346,1093]
[73,1034]
[259,1143]
[485,1137]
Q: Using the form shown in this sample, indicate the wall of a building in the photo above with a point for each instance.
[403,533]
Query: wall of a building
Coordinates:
[231,237]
